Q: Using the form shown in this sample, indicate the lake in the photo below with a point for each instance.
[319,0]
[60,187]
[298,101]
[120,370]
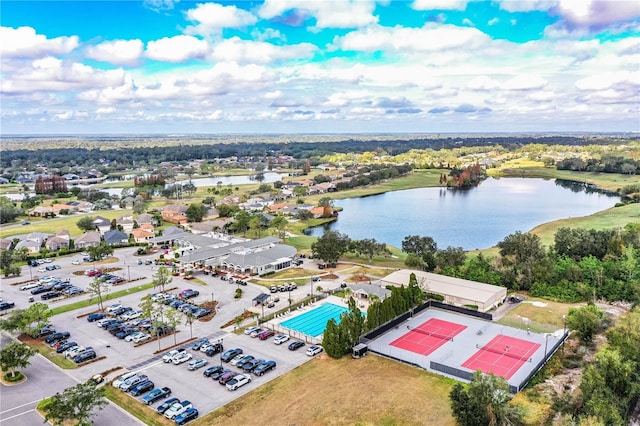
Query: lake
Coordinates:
[269,177]
[472,219]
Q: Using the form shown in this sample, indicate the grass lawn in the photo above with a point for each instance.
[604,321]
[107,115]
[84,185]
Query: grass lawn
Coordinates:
[105,298]
[323,391]
[545,315]
[50,354]
[144,413]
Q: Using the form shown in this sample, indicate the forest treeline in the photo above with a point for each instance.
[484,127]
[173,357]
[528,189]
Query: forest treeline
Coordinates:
[123,159]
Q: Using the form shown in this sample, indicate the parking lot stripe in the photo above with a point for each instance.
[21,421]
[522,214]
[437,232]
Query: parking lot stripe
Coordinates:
[4,419]
[19,406]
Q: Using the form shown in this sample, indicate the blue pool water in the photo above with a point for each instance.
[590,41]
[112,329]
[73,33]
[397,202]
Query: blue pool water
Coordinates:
[313,323]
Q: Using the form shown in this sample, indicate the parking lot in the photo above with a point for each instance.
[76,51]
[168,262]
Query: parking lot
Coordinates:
[205,393]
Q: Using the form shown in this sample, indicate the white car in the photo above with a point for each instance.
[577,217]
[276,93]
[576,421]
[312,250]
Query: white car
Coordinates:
[251,329]
[30,285]
[169,355]
[75,262]
[113,308]
[120,380]
[42,269]
[314,350]
[142,338]
[177,408]
[182,357]
[132,336]
[280,339]
[238,381]
[71,352]
[237,358]
[131,315]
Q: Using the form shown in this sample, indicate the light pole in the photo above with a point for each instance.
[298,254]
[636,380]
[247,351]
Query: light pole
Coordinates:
[546,339]
[221,348]
[289,299]
[211,297]
[129,272]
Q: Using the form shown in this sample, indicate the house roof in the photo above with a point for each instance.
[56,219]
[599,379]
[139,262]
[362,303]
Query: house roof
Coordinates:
[144,218]
[142,233]
[115,236]
[449,286]
[88,237]
[370,289]
[274,254]
[261,298]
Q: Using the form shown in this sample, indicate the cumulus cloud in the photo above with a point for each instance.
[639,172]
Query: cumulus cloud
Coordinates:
[23,42]
[177,49]
[328,14]
[160,5]
[211,18]
[245,51]
[439,4]
[117,52]
[526,5]
[482,82]
[525,82]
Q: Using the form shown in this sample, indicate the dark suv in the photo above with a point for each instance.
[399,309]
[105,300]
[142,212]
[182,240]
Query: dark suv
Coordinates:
[56,337]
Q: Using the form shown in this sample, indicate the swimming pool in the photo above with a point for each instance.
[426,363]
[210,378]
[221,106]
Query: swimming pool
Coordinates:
[314,322]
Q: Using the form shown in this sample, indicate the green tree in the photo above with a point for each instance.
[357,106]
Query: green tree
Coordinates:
[330,246]
[331,340]
[29,321]
[173,317]
[100,251]
[85,223]
[188,320]
[425,247]
[585,321]
[7,262]
[162,278]
[485,401]
[14,356]
[300,191]
[280,224]
[625,336]
[98,288]
[76,403]
[8,211]
[451,257]
[196,212]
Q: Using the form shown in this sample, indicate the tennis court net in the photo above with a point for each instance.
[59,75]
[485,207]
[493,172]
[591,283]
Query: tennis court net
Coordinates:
[430,333]
[505,352]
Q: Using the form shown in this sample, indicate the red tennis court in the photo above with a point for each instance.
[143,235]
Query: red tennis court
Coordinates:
[502,356]
[428,336]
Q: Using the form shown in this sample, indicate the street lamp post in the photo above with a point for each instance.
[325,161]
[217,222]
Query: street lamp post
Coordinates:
[221,347]
[129,272]
[546,339]
[289,298]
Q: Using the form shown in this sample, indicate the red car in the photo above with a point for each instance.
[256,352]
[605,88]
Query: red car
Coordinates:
[266,334]
[93,272]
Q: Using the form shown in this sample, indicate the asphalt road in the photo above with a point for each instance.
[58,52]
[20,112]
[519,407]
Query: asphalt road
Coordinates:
[18,402]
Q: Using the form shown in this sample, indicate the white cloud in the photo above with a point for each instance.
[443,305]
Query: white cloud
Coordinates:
[213,17]
[439,4]
[430,38]
[598,12]
[177,49]
[525,82]
[328,14]
[160,5]
[493,21]
[273,95]
[244,51]
[105,111]
[117,52]
[604,81]
[23,42]
[526,5]
[482,82]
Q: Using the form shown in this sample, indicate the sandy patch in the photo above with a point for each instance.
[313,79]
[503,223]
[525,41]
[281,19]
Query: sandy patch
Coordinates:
[539,304]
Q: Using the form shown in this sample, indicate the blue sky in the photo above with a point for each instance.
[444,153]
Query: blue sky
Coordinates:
[326,66]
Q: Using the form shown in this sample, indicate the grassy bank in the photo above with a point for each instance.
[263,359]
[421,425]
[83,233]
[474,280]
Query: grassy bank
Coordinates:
[50,354]
[144,413]
[346,391]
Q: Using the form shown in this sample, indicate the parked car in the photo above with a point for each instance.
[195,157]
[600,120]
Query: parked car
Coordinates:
[212,370]
[85,356]
[216,376]
[244,360]
[96,317]
[248,366]
[126,332]
[296,345]
[199,343]
[156,395]
[141,338]
[266,334]
[42,289]
[230,354]
[29,286]
[280,339]
[169,355]
[202,312]
[142,387]
[127,316]
[314,350]
[132,336]
[238,381]
[189,293]
[257,332]
[60,349]
[224,378]
[73,351]
[182,357]
[251,329]
[196,363]
[132,381]
[56,337]
[120,380]
[51,295]
[177,408]
[162,408]
[45,331]
[264,367]
[237,359]
[6,305]
[187,416]
[215,349]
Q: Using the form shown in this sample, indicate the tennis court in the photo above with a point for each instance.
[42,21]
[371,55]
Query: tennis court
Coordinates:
[313,322]
[502,356]
[428,336]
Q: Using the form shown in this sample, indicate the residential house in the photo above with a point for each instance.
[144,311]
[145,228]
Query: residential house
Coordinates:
[115,237]
[38,237]
[5,243]
[102,224]
[88,239]
[56,243]
[3,180]
[82,206]
[178,208]
[126,222]
[144,219]
[42,211]
[173,216]
[141,235]
[200,228]
[32,246]
[62,209]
